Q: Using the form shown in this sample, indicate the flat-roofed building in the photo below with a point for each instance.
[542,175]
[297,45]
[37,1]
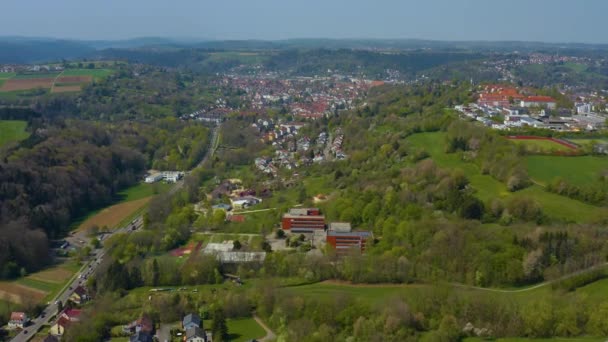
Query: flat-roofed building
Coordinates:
[303,220]
[343,239]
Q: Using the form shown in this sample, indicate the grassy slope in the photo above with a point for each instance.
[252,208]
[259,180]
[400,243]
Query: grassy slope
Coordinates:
[581,171]
[12,130]
[487,187]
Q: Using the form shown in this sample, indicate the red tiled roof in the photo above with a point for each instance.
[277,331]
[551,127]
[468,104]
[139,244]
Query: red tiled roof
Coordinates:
[17,316]
[539,99]
[71,314]
[237,218]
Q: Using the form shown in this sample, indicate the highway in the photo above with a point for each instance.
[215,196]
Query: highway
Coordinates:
[91,265]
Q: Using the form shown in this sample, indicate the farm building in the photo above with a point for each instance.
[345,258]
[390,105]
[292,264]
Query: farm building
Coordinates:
[303,220]
[343,239]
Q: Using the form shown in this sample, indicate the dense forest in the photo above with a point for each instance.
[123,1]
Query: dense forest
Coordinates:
[69,167]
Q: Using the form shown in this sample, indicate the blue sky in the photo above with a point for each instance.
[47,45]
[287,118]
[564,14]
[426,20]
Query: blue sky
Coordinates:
[529,20]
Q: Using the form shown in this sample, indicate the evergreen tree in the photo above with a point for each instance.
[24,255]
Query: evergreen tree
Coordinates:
[155,273]
[219,328]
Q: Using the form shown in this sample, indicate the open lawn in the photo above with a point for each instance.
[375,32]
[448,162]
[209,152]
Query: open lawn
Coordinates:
[12,130]
[487,187]
[143,190]
[596,291]
[582,171]
[244,329]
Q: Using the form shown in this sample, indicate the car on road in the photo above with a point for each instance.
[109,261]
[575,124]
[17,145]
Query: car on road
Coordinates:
[25,331]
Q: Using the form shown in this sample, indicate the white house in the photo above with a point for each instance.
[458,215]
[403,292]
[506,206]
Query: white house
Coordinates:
[18,320]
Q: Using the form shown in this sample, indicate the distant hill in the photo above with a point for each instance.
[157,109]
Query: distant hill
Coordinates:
[40,49]
[23,51]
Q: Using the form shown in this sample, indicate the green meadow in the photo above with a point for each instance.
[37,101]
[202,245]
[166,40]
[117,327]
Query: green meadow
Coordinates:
[581,171]
[487,187]
[12,130]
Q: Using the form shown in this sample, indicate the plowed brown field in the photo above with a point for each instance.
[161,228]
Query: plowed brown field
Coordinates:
[26,84]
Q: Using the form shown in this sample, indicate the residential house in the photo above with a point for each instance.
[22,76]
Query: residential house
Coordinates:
[141,337]
[66,318]
[195,334]
[143,324]
[18,320]
[191,320]
[79,296]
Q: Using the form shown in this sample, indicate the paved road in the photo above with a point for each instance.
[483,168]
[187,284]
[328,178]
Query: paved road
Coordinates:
[91,266]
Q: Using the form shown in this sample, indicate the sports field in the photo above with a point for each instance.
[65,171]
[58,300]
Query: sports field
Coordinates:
[12,130]
[556,206]
[579,170]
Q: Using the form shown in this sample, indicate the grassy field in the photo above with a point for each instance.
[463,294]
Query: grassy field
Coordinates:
[12,130]
[95,73]
[244,329]
[143,190]
[541,145]
[582,171]
[5,75]
[487,187]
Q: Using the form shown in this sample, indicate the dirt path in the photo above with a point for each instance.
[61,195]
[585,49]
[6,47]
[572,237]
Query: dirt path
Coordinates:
[534,287]
[470,287]
[55,80]
[270,335]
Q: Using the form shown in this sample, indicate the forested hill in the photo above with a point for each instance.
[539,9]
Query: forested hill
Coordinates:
[68,168]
